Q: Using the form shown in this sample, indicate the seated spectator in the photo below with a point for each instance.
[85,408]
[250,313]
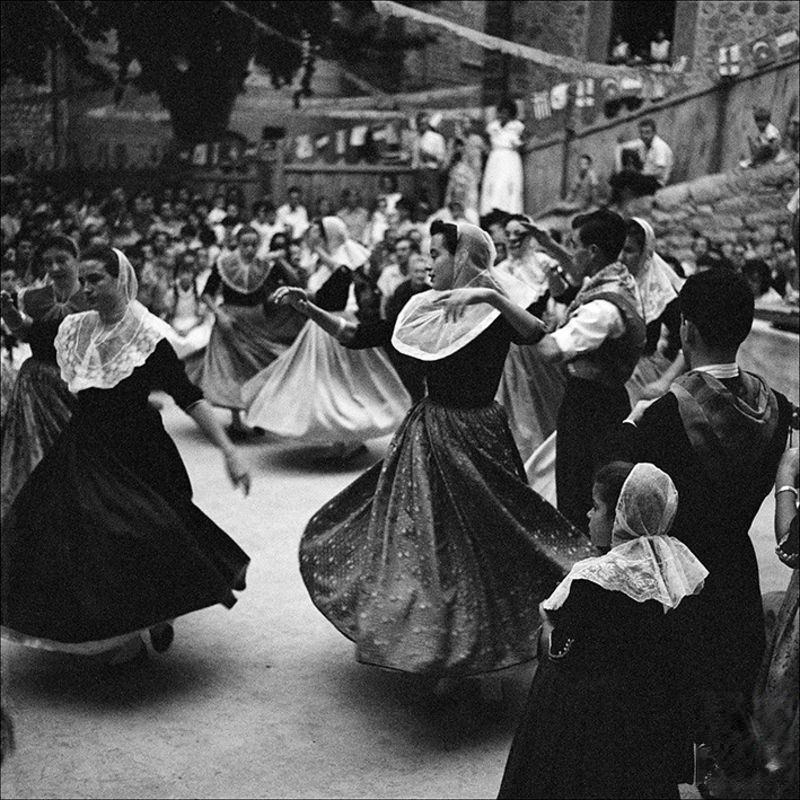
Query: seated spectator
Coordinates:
[782,263]
[656,158]
[416,282]
[378,222]
[584,192]
[620,50]
[217,213]
[394,274]
[793,135]
[293,214]
[125,234]
[659,48]
[265,223]
[766,144]
[166,222]
[757,273]
[323,207]
[403,222]
[453,212]
[354,215]
[388,187]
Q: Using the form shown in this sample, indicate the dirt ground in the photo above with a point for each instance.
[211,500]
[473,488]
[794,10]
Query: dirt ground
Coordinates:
[264,700]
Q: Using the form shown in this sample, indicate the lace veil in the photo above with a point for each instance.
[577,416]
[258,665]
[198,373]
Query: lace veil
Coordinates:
[94,354]
[643,563]
[421,330]
[658,283]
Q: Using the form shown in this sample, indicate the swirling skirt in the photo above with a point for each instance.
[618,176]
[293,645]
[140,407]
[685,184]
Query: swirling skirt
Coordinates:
[38,410]
[531,391]
[319,392]
[648,368]
[234,356]
[104,541]
[435,560]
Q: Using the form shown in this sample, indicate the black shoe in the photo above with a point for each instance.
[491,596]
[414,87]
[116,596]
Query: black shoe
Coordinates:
[161,636]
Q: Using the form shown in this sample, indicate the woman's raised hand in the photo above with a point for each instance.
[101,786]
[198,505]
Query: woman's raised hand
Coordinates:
[237,471]
[455,301]
[292,296]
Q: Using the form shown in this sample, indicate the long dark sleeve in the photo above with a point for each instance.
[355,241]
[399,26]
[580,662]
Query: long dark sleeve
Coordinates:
[170,376]
[332,295]
[372,334]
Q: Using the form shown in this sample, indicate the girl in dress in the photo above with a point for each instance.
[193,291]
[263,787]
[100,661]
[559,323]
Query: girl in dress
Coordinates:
[244,339]
[190,319]
[40,403]
[103,541]
[599,720]
[658,285]
[319,392]
[503,178]
[435,559]
[531,389]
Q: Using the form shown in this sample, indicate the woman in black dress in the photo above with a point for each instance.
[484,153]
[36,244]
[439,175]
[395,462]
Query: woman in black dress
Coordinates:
[40,404]
[435,559]
[248,332]
[103,541]
[599,721]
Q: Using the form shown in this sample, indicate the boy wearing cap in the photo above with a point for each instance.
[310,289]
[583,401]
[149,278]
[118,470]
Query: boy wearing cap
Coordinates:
[767,143]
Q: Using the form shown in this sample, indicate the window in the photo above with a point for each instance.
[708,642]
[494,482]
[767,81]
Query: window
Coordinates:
[637,23]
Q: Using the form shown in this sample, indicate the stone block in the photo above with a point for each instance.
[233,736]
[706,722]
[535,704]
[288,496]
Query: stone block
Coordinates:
[735,205]
[710,188]
[672,197]
[704,210]
[765,216]
[766,232]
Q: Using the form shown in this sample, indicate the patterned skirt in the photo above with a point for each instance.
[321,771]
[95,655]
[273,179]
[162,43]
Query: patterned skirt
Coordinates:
[435,560]
[234,356]
[38,410]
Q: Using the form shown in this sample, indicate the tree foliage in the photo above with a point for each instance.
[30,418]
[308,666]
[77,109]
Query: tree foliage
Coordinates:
[195,55]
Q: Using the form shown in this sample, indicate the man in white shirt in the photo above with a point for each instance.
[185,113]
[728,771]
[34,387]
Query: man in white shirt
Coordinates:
[656,159]
[601,341]
[395,274]
[293,214]
[429,158]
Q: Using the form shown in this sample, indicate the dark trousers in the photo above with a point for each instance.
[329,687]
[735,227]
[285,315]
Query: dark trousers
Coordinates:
[588,428]
[632,183]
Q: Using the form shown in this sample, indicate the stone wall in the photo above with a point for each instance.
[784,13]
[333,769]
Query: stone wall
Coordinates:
[729,206]
[725,22]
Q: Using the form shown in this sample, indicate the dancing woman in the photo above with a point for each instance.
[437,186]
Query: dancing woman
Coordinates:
[599,720]
[530,388]
[435,559]
[40,403]
[247,336]
[103,541]
[357,395]
[658,287]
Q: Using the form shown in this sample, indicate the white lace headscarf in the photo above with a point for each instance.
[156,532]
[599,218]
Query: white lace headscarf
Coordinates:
[643,563]
[658,282]
[421,330]
[94,354]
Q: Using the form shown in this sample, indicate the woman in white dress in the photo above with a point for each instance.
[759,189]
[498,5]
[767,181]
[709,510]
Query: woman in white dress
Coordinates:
[530,389]
[318,392]
[502,178]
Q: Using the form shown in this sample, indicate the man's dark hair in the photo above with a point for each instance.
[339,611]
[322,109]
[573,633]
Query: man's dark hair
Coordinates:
[507,104]
[602,228]
[648,121]
[57,241]
[294,189]
[719,303]
[587,157]
[105,255]
[449,232]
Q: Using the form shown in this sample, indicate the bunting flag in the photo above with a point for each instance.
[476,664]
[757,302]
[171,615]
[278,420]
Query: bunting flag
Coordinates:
[341,142]
[358,136]
[728,62]
[541,104]
[787,42]
[559,96]
[321,142]
[303,148]
[200,155]
[631,87]
[763,53]
[610,90]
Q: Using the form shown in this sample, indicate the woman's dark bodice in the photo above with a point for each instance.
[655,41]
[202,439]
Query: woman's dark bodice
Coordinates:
[47,315]
[469,377]
[671,318]
[162,370]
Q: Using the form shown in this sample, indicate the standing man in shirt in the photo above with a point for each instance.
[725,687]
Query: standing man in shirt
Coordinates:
[293,214]
[354,215]
[656,157]
[429,158]
[601,341]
